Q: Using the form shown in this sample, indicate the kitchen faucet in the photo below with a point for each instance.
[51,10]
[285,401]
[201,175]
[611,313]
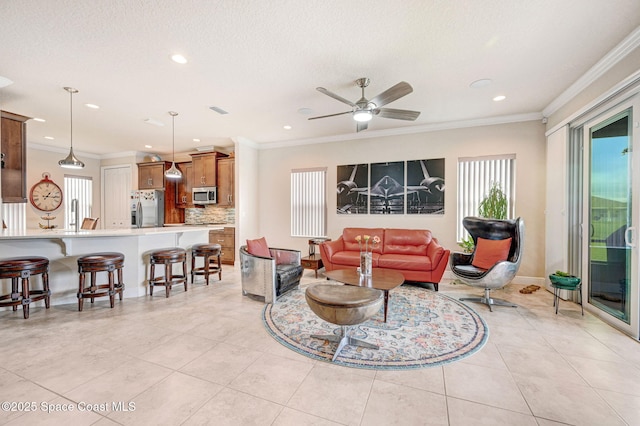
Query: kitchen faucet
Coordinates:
[75,211]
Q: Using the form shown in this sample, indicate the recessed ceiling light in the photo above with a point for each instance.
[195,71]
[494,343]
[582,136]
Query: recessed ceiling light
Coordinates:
[148,146]
[42,120]
[92,106]
[499,98]
[483,82]
[287,127]
[177,58]
[49,137]
[305,111]
[196,140]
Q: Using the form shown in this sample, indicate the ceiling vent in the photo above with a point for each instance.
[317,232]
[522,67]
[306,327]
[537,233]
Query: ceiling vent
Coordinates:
[218,110]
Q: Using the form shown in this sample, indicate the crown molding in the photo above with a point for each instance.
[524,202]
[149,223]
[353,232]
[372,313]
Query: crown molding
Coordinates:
[626,46]
[489,121]
[57,149]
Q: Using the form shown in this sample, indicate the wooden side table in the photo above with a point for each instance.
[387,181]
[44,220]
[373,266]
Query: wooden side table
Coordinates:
[312,262]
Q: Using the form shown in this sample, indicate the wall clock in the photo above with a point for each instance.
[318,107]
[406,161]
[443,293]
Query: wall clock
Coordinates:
[46,195]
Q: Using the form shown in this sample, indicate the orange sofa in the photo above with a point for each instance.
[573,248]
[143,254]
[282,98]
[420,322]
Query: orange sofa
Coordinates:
[413,252]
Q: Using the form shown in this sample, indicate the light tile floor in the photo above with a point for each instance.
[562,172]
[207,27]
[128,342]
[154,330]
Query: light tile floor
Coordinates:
[204,357]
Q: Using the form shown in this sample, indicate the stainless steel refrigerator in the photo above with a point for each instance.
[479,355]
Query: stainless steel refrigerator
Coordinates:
[147,208]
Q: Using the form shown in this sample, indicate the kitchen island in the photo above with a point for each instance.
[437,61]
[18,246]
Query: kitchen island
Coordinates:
[63,247]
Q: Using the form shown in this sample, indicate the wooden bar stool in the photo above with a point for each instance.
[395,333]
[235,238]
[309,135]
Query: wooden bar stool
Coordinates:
[24,268]
[211,254]
[108,262]
[168,257]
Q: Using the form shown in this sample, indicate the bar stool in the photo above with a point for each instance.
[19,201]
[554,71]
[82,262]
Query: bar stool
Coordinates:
[24,268]
[100,262]
[208,251]
[168,257]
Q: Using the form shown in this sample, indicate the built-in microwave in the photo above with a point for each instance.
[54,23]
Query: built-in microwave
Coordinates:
[206,195]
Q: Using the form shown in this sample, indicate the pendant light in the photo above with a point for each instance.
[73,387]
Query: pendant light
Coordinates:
[173,172]
[71,162]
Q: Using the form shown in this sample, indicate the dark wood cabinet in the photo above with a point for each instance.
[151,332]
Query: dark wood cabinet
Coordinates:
[151,175]
[13,128]
[227,239]
[226,178]
[204,168]
[184,196]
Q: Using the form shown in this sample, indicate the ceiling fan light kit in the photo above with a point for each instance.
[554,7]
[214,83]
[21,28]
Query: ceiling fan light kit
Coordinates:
[71,161]
[362,115]
[363,110]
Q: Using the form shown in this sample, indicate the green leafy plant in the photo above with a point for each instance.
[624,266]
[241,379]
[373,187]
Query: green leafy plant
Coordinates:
[467,244]
[494,205]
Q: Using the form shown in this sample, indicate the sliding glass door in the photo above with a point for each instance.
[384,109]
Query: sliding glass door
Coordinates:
[610,215]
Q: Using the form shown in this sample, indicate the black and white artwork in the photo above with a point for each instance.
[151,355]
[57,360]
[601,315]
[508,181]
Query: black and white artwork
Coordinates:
[425,186]
[386,191]
[353,189]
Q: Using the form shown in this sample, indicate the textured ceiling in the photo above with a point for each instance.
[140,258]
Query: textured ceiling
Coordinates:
[262,60]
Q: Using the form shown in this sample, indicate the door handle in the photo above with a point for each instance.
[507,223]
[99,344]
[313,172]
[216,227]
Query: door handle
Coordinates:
[628,236]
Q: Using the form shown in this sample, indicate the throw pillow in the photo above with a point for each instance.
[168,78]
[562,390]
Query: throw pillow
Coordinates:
[490,252]
[258,247]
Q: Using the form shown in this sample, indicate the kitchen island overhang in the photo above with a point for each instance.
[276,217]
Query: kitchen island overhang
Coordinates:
[64,247]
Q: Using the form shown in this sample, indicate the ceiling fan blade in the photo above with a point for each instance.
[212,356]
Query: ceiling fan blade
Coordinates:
[336,97]
[391,94]
[362,125]
[330,115]
[398,114]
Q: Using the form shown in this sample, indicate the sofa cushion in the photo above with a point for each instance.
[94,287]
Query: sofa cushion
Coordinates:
[349,236]
[490,252]
[258,247]
[405,262]
[352,258]
[406,241]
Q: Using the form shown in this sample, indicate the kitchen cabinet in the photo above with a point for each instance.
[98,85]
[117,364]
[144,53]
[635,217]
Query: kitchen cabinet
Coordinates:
[151,175]
[14,157]
[227,239]
[204,168]
[226,177]
[184,186]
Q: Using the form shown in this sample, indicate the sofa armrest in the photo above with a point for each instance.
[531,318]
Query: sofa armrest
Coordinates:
[332,247]
[328,249]
[286,256]
[439,257]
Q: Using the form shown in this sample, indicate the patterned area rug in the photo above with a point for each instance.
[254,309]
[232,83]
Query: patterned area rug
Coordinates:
[423,328]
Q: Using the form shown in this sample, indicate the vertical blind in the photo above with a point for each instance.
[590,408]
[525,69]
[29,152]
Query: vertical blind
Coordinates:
[475,177]
[80,188]
[14,215]
[308,202]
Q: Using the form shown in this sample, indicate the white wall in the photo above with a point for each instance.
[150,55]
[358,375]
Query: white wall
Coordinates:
[525,139]
[40,161]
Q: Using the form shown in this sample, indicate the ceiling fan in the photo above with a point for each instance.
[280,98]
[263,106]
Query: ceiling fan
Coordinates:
[363,110]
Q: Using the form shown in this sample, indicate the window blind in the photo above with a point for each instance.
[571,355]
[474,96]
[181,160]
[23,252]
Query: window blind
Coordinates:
[80,188]
[14,215]
[308,203]
[475,177]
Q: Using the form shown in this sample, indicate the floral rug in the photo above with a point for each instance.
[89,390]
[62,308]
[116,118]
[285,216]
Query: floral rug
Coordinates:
[423,328]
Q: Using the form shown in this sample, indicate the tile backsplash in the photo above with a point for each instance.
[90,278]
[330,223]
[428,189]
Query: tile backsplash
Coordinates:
[209,214]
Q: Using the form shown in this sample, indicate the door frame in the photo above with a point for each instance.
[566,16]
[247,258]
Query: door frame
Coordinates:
[632,104]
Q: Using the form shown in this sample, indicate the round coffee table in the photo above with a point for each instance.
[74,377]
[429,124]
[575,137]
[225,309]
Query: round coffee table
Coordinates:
[382,279]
